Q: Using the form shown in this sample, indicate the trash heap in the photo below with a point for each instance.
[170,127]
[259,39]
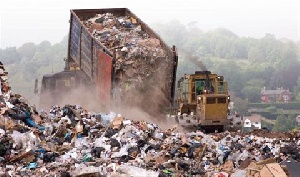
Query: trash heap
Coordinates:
[71,141]
[137,53]
[141,64]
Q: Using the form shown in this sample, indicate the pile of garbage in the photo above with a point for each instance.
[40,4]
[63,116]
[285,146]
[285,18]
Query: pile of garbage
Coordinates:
[72,141]
[142,64]
[137,54]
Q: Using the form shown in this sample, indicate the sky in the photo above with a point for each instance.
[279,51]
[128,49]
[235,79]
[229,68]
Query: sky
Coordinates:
[24,21]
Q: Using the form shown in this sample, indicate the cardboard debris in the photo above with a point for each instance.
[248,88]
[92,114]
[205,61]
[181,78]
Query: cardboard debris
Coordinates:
[6,122]
[228,166]
[117,122]
[266,168]
[26,156]
[272,169]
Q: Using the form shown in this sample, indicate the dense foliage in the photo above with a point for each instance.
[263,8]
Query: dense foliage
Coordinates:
[286,106]
[31,61]
[284,123]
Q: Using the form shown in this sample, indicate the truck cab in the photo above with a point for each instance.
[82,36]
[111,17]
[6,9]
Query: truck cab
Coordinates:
[58,88]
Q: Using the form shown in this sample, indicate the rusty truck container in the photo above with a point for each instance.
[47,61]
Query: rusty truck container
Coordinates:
[115,48]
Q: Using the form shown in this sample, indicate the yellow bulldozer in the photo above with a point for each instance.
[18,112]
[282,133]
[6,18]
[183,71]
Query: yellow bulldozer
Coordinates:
[203,102]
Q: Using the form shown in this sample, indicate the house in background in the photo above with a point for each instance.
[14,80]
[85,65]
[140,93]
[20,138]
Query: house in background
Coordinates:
[276,96]
[253,121]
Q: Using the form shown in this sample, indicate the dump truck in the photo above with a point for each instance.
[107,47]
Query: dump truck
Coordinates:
[117,59]
[203,102]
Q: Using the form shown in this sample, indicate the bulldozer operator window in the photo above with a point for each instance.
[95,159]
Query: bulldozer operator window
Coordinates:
[200,86]
[221,85]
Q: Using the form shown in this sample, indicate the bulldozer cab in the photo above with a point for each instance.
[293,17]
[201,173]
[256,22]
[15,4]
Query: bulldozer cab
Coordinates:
[200,83]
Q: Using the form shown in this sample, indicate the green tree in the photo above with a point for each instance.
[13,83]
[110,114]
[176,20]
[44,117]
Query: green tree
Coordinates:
[241,47]
[271,48]
[296,90]
[9,55]
[232,73]
[252,90]
[256,54]
[285,123]
[287,76]
[45,59]
[27,50]
[43,46]
[240,105]
[176,36]
[267,125]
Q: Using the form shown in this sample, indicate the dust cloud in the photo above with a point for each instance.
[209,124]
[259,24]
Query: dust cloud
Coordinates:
[81,95]
[146,105]
[137,114]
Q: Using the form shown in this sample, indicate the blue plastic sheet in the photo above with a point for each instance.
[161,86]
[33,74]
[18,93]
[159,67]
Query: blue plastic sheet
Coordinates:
[32,165]
[31,123]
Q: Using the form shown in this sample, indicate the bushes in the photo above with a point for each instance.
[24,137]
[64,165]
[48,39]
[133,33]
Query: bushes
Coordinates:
[286,106]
